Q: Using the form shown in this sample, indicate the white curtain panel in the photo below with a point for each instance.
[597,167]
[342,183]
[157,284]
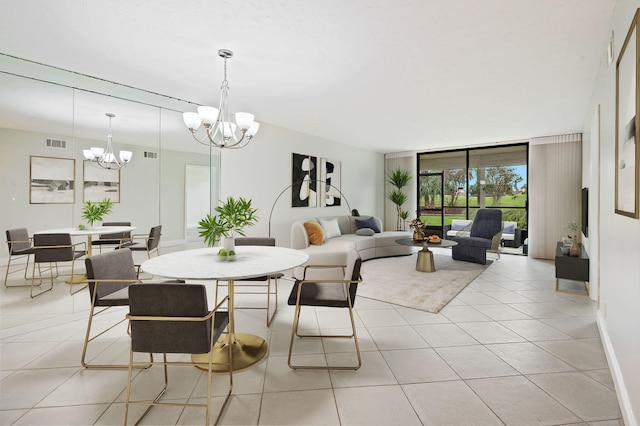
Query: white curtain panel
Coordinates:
[555,176]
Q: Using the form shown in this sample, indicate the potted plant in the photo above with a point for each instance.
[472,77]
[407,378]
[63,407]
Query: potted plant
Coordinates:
[418,227]
[94,212]
[398,179]
[230,220]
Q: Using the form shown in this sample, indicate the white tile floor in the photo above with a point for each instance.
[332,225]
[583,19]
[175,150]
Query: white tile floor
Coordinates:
[508,350]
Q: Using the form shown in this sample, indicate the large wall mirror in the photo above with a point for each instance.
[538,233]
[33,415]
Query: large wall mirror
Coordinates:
[40,103]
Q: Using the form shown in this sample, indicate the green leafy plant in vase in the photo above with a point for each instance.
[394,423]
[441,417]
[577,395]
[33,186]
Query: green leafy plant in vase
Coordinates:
[572,227]
[398,179]
[94,212]
[229,221]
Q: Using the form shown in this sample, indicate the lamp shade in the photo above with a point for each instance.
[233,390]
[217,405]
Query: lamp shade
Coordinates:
[192,120]
[208,115]
[125,156]
[88,155]
[244,120]
[227,129]
[97,152]
[253,129]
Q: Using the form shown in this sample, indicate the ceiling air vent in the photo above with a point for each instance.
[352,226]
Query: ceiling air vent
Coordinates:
[55,143]
[150,154]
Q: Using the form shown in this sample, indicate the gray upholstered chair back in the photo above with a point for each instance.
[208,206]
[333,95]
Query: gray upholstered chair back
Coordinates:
[61,248]
[169,300]
[154,238]
[113,265]
[328,293]
[18,240]
[255,241]
[116,235]
[352,272]
[486,223]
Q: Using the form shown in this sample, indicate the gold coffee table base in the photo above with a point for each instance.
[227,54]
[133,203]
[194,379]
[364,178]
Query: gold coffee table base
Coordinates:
[424,262]
[247,350]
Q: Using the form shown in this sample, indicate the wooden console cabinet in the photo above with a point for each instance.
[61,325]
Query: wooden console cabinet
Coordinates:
[574,268]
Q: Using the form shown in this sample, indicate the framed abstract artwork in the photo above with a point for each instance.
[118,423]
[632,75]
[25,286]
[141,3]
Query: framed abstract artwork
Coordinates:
[330,183]
[99,183]
[52,180]
[627,202]
[304,181]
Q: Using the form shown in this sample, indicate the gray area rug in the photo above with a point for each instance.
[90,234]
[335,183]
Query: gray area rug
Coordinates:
[395,280]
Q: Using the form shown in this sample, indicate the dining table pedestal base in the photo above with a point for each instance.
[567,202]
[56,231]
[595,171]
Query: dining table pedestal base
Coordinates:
[247,350]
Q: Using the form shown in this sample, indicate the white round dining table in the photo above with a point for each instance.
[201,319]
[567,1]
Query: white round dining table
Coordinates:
[89,232]
[204,265]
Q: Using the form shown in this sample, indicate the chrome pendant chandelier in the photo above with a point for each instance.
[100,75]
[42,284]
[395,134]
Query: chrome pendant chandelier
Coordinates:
[219,130]
[105,157]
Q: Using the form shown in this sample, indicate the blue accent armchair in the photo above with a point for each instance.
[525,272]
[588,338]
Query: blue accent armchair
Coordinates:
[486,233]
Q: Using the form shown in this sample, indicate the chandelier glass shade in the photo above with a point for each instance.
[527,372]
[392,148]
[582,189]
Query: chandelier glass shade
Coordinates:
[105,157]
[219,130]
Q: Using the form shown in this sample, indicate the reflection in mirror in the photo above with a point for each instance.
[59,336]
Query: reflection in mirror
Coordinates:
[40,103]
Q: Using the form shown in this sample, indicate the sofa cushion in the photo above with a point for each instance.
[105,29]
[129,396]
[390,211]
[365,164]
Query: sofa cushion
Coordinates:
[461,225]
[509,228]
[366,232]
[331,228]
[474,242]
[315,232]
[359,242]
[388,238]
[368,223]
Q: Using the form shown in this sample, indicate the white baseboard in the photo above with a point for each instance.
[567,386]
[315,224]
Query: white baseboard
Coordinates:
[618,380]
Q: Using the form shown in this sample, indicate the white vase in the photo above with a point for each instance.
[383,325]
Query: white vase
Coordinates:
[229,243]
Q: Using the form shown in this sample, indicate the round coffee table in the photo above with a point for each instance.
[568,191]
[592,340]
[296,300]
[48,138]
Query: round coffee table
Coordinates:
[424,262]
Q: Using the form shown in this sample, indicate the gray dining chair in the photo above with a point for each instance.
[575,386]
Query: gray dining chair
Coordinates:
[254,285]
[54,249]
[175,319]
[333,293]
[20,245]
[142,242]
[109,276]
[113,239]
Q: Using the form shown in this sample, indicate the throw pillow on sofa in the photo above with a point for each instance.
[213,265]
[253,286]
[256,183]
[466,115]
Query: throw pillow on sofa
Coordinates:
[315,232]
[331,228]
[365,232]
[367,223]
[509,228]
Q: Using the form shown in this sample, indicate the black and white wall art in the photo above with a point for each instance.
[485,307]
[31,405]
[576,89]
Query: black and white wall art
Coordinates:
[100,183]
[52,180]
[304,181]
[330,183]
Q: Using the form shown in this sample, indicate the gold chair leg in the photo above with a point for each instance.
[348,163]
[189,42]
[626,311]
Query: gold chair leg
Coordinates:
[294,333]
[40,281]
[71,283]
[26,268]
[88,339]
[272,315]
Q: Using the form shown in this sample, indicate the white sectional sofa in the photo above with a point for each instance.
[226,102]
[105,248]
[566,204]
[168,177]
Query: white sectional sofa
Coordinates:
[335,247]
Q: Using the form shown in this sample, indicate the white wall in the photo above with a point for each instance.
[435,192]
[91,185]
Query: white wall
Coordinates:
[262,170]
[618,236]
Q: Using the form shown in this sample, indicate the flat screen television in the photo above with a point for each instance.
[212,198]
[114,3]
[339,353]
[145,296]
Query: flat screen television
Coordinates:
[585,211]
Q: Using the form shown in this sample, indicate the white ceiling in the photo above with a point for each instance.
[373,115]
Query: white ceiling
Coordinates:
[387,75]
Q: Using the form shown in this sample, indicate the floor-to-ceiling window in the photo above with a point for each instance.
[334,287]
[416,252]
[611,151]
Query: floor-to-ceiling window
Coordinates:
[455,184]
